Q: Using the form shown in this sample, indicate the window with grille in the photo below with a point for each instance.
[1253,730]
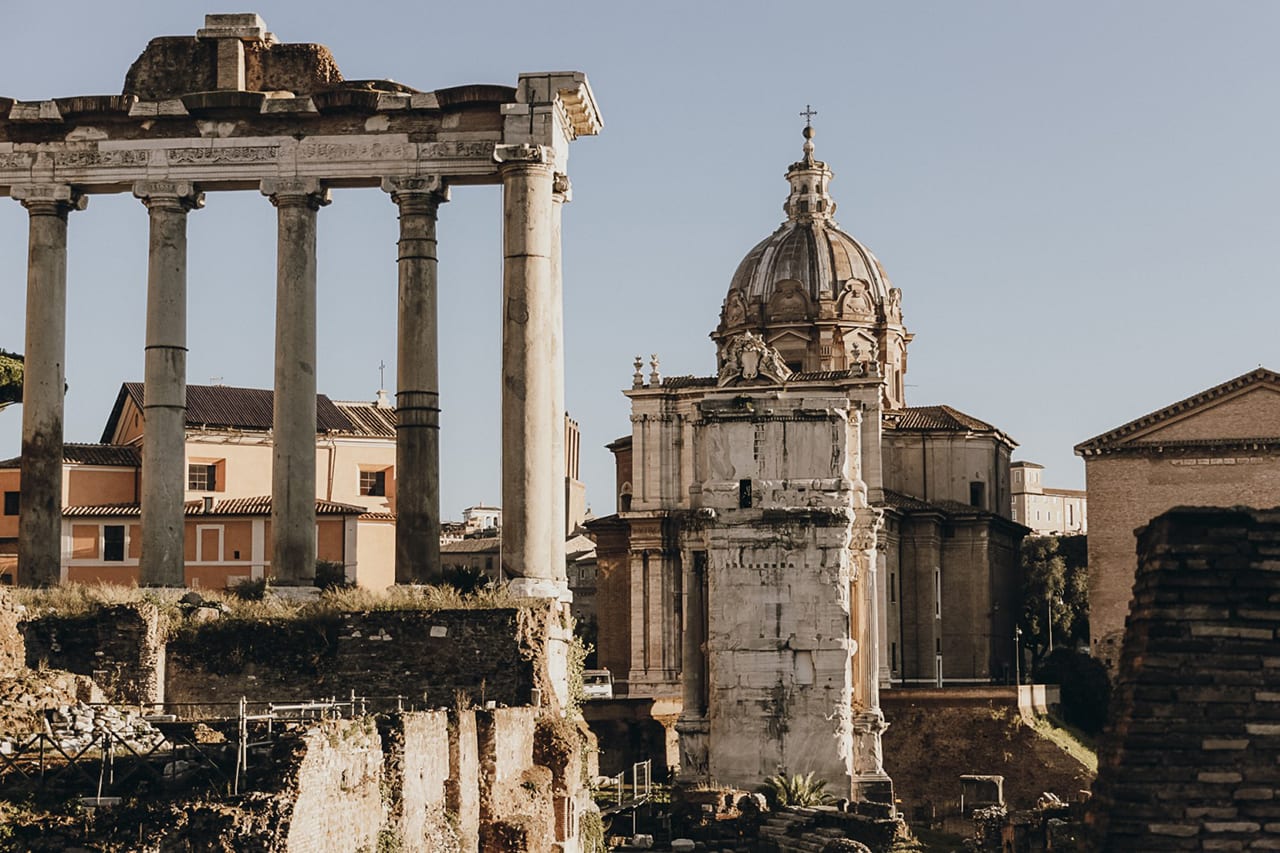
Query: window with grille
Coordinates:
[373,483]
[11,502]
[202,477]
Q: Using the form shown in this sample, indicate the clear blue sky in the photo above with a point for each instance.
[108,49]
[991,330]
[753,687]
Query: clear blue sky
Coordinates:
[1080,202]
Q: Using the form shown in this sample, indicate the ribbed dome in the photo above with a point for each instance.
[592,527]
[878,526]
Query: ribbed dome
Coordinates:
[814,293]
[816,253]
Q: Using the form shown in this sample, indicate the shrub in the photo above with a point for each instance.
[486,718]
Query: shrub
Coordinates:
[796,790]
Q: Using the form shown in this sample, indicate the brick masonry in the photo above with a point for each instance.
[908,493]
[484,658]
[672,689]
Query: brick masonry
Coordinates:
[1191,756]
[118,646]
[430,659]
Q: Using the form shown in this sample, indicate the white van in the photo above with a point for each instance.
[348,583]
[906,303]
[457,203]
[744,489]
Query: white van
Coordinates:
[597,684]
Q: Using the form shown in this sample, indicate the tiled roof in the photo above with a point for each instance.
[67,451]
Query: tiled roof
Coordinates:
[221,406]
[935,418]
[472,546]
[908,503]
[674,382]
[1103,442]
[115,455]
[109,455]
[369,418]
[232,506]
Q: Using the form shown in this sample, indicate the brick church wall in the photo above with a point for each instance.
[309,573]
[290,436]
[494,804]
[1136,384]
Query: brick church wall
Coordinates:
[1191,757]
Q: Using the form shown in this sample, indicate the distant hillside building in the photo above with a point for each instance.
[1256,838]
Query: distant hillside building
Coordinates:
[1220,447]
[1048,512]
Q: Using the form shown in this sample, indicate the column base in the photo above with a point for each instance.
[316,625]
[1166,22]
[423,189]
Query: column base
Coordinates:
[873,789]
[540,588]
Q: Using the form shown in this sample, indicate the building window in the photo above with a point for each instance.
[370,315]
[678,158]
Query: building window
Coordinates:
[978,495]
[893,591]
[937,593]
[744,494]
[373,483]
[11,500]
[202,477]
[113,543]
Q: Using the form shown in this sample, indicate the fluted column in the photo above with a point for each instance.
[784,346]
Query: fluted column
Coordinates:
[417,381]
[293,472]
[532,478]
[44,382]
[561,192]
[165,390]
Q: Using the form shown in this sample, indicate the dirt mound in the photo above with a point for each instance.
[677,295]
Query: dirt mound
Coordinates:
[928,747]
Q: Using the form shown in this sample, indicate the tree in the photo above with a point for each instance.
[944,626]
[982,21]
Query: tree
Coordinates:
[1055,594]
[10,378]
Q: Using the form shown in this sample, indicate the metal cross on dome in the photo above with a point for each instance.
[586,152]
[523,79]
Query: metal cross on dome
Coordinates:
[808,114]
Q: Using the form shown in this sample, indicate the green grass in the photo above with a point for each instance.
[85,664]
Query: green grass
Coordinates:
[1071,740]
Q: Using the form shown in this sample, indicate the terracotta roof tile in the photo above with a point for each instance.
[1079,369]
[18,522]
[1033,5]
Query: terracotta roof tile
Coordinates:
[930,418]
[233,506]
[222,406]
[369,419]
[109,455]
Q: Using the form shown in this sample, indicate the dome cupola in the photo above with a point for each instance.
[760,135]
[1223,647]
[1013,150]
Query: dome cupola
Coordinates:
[814,293]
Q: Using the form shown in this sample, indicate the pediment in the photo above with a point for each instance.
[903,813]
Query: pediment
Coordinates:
[1247,407]
[1251,413]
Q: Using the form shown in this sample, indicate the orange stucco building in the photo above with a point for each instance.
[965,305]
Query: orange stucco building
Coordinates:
[227,505]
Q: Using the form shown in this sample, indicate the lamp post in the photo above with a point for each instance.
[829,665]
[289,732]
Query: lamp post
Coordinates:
[1017,654]
[1048,625]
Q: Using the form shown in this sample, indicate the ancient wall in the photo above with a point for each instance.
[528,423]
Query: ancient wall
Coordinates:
[415,769]
[462,790]
[428,658]
[118,646]
[13,650]
[339,797]
[1191,756]
[1125,492]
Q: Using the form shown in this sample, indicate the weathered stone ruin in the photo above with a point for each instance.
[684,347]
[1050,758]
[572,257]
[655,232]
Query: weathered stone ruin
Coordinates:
[1191,758]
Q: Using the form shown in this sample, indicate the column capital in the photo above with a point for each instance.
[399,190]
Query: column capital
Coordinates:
[179,196]
[417,194]
[523,154]
[296,192]
[561,188]
[49,199]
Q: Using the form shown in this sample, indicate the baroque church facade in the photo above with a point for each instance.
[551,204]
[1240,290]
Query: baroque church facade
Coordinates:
[791,536]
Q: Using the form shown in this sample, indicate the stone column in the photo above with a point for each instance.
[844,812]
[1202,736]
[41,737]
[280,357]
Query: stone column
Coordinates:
[561,192]
[165,390]
[417,381]
[871,782]
[44,382]
[293,472]
[532,478]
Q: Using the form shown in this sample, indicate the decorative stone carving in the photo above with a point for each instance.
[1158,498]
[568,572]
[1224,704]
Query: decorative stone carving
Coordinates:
[855,301]
[735,310]
[748,357]
[893,310]
[868,754]
[790,302]
[522,153]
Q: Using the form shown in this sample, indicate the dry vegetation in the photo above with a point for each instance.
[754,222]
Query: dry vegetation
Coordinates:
[285,603]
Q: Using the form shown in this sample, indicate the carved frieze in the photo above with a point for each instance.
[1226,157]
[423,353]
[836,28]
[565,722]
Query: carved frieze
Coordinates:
[229,154]
[89,158]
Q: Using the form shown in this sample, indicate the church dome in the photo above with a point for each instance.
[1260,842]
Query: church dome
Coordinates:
[814,293]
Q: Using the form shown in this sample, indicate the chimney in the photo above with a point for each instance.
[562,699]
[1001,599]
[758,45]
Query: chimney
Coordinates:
[208,503]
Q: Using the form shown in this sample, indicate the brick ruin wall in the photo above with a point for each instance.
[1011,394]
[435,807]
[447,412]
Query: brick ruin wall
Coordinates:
[431,660]
[119,646]
[1191,757]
